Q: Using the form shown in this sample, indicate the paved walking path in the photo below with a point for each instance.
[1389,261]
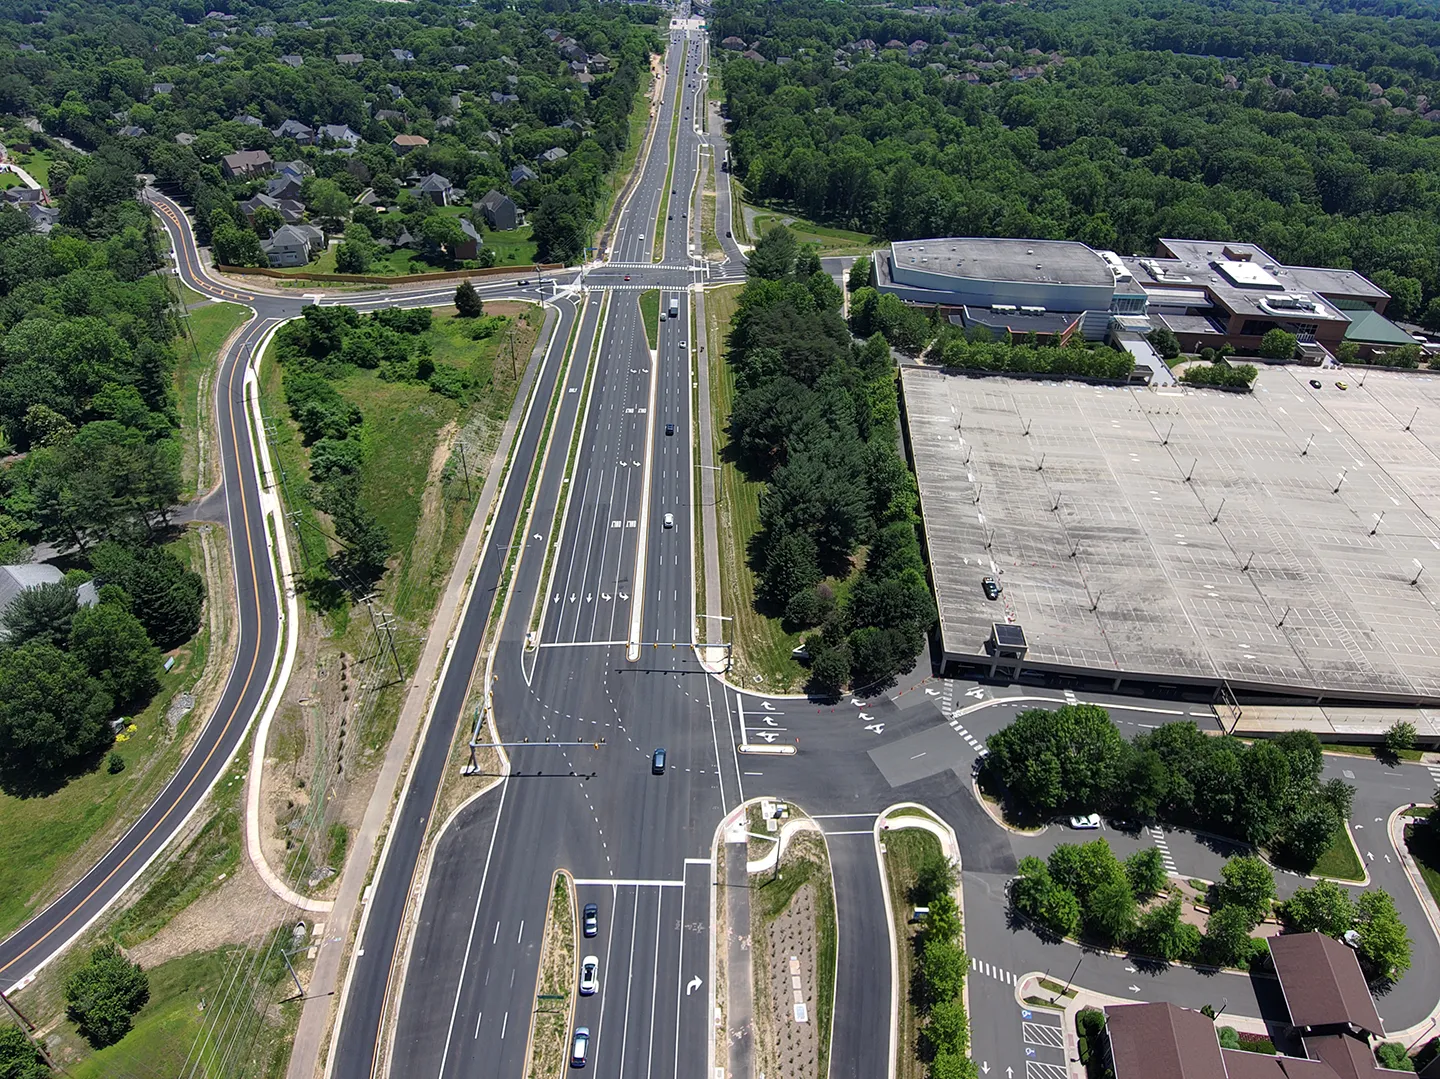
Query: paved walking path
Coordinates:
[315,1020]
[713,629]
[739,986]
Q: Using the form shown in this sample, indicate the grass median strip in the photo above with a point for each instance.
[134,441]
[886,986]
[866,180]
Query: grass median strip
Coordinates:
[650,315]
[555,987]
[659,249]
[906,849]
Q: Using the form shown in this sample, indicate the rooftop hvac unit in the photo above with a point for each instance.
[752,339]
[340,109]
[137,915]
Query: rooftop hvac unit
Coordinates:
[1031,310]
[1003,308]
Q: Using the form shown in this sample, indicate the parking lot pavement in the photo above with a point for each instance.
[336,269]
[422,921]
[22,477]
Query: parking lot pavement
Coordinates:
[1043,1035]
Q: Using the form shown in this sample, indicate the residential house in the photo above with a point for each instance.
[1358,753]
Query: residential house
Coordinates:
[460,68]
[434,187]
[521,173]
[291,60]
[339,134]
[498,210]
[751,54]
[369,198]
[23,196]
[250,121]
[246,163]
[1332,1018]
[468,248]
[350,59]
[403,56]
[163,88]
[445,123]
[734,44]
[390,116]
[44,218]
[403,144]
[497,98]
[209,58]
[491,136]
[266,31]
[293,245]
[297,169]
[600,62]
[22,578]
[552,155]
[585,78]
[184,138]
[290,210]
[131,131]
[283,186]
[304,134]
[396,93]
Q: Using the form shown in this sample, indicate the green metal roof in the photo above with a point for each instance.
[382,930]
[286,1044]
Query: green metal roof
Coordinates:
[1369,328]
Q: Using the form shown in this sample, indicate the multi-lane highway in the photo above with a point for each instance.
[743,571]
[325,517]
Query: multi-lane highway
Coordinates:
[612,663]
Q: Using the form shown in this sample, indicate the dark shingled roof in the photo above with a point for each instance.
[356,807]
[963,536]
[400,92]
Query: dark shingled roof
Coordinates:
[1322,983]
[1161,1041]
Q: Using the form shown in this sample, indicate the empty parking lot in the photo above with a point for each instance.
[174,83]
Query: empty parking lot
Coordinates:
[1288,538]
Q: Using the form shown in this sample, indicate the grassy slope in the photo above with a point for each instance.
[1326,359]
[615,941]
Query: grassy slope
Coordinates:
[831,241]
[167,1027]
[39,836]
[761,644]
[209,326]
[402,423]
[905,849]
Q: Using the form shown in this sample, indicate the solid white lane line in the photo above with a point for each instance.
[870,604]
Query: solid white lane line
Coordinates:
[655,989]
[609,882]
[629,980]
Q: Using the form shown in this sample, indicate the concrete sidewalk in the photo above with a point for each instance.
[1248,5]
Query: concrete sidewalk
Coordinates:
[739,979]
[316,1018]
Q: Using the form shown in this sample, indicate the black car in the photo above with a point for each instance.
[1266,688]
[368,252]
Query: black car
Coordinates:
[591,920]
[657,761]
[669,428]
[1314,383]
[991,588]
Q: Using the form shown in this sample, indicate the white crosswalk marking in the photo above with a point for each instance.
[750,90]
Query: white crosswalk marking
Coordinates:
[1164,848]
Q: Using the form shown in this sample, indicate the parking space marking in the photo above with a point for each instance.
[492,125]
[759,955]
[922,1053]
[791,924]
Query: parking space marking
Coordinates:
[1038,1069]
[1044,1034]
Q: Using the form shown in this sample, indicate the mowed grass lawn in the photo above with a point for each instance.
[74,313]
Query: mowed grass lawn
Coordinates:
[209,326]
[40,837]
[167,1028]
[761,645]
[831,241]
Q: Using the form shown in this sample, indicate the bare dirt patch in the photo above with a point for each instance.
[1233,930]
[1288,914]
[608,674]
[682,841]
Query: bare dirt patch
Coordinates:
[229,915]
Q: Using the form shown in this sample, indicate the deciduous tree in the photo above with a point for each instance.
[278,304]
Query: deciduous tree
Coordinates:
[102,997]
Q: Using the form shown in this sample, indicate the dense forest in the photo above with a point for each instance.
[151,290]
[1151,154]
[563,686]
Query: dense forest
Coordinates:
[143,74]
[87,423]
[816,418]
[1307,128]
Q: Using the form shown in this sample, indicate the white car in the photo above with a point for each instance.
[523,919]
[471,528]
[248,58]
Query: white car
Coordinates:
[669,520]
[589,975]
[1086,822]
